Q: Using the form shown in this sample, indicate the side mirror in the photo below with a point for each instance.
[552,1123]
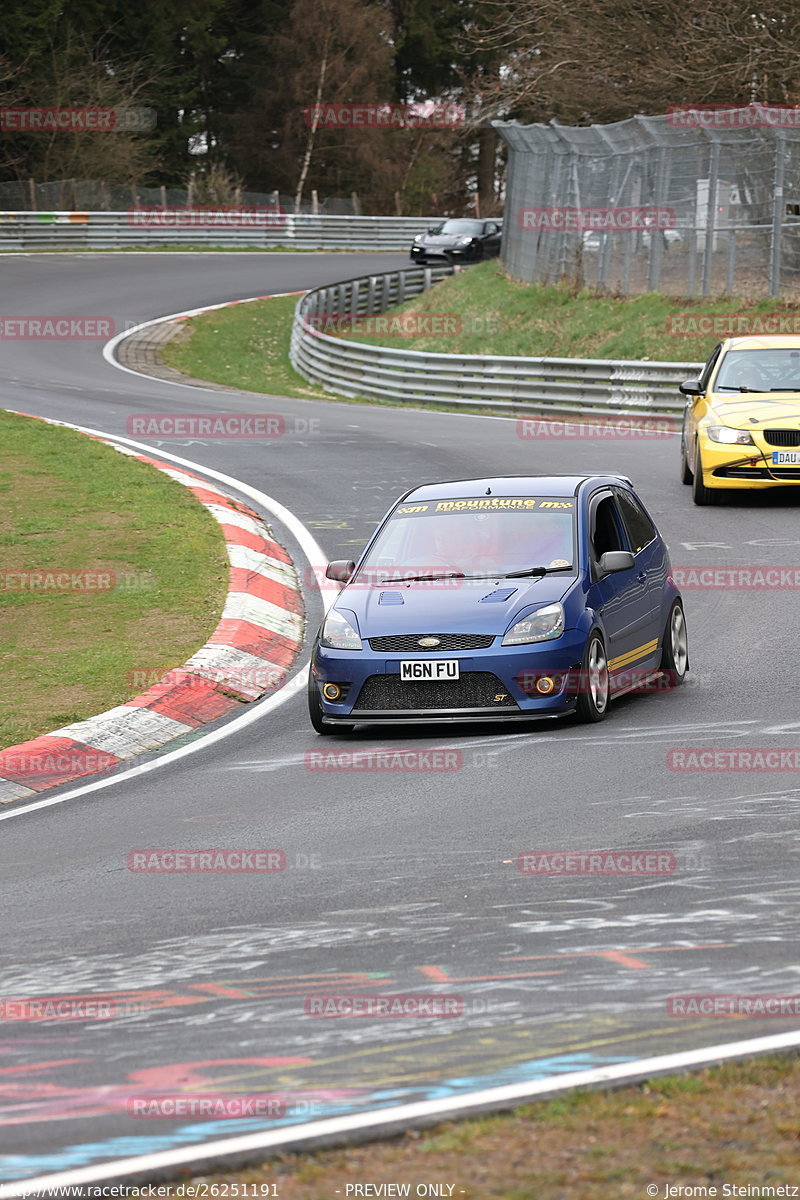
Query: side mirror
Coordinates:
[691,387]
[340,569]
[615,560]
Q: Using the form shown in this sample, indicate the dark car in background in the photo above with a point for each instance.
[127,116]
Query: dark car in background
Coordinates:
[458,239]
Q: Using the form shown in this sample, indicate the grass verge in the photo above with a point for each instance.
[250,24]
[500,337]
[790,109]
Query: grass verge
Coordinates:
[133,576]
[498,315]
[247,346]
[735,1125]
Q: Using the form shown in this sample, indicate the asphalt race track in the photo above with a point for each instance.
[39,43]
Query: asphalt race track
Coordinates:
[397,881]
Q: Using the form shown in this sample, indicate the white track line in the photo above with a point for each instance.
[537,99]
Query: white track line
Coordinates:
[426,1111]
[312,551]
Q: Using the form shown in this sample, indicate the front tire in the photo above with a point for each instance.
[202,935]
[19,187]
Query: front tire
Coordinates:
[686,470]
[675,647]
[315,713]
[594,687]
[700,493]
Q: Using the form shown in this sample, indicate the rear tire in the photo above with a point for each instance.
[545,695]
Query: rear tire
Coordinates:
[594,686]
[675,647]
[315,713]
[700,493]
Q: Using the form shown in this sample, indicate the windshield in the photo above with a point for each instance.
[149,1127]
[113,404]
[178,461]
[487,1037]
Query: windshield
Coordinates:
[464,228]
[760,371]
[498,535]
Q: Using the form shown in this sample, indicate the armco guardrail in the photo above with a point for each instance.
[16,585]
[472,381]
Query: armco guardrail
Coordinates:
[500,383]
[229,228]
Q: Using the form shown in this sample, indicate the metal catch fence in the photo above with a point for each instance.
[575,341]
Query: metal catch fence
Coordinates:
[692,202]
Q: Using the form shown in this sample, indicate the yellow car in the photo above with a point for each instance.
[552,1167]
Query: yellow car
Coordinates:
[741,427]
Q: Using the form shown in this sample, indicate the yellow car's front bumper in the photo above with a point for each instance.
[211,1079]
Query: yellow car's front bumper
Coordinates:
[742,467]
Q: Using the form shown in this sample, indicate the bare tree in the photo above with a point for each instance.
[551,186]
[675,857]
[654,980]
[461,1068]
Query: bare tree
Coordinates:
[604,60]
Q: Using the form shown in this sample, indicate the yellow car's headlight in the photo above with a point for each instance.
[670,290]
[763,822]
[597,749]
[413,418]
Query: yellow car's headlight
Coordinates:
[730,437]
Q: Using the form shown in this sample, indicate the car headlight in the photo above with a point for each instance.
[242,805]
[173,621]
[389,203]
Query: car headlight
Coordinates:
[419,237]
[539,626]
[338,633]
[464,241]
[731,437]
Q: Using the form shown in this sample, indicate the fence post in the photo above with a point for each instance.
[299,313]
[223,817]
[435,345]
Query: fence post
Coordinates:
[656,233]
[777,213]
[731,261]
[711,212]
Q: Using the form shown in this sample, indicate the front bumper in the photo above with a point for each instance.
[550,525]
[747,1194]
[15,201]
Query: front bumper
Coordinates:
[743,467]
[490,686]
[422,254]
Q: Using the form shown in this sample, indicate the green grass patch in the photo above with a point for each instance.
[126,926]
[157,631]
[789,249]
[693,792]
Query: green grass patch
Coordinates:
[735,1124]
[157,576]
[245,346]
[494,314]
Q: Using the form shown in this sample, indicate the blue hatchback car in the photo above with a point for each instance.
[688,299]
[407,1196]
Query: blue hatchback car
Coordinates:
[497,599]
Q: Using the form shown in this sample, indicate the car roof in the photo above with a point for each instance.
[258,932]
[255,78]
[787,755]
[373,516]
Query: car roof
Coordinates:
[769,341]
[511,485]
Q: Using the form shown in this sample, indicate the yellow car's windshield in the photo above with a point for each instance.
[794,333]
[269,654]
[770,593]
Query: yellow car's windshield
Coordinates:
[759,371]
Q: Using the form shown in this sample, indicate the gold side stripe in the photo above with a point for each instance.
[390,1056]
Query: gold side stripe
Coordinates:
[623,660]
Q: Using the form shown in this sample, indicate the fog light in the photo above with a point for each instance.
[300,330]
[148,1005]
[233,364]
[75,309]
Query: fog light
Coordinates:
[545,685]
[331,691]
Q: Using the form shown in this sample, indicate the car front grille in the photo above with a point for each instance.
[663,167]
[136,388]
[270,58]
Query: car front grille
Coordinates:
[408,643]
[782,437]
[475,689]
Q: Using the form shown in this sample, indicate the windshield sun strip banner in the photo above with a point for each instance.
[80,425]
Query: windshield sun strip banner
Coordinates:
[486,504]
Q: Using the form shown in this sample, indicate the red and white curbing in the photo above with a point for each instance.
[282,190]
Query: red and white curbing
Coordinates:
[251,651]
